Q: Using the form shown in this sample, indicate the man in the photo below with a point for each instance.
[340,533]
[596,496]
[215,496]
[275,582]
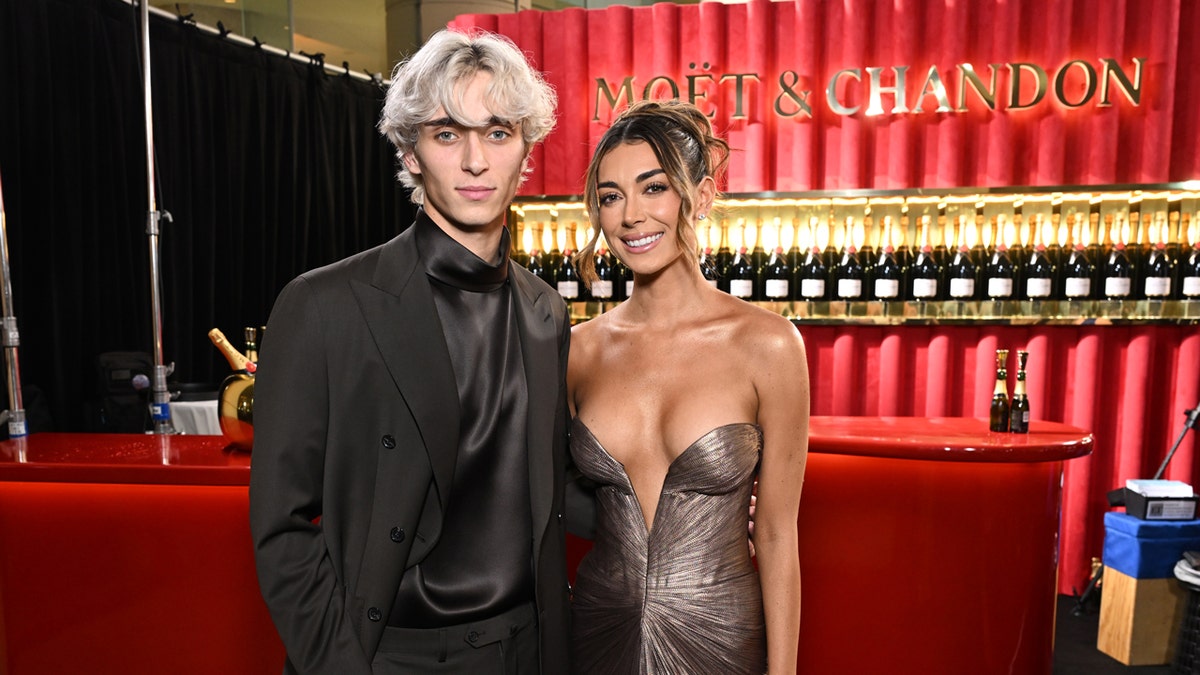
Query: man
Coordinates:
[410,435]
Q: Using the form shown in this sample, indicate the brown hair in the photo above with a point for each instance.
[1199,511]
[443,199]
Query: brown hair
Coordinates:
[686,148]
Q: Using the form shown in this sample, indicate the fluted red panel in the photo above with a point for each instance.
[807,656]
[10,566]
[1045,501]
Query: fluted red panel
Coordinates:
[1128,385]
[1047,144]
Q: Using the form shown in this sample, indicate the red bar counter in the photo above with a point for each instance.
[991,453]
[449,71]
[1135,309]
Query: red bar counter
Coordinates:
[927,545]
[128,554]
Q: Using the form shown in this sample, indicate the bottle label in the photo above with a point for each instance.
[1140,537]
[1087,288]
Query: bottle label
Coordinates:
[568,289]
[849,289]
[815,288]
[1078,287]
[999,288]
[778,288]
[887,288]
[741,288]
[602,289]
[1037,288]
[1191,287]
[1117,287]
[925,288]
[711,282]
[628,288]
[1158,287]
[962,288]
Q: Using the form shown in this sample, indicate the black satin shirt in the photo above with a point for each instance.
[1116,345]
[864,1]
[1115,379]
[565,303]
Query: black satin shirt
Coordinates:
[482,564]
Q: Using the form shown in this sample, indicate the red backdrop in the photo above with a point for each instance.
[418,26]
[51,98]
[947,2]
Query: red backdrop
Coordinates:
[1047,144]
[1129,385]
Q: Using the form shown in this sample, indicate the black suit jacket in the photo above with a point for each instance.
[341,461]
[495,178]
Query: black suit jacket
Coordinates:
[356,435]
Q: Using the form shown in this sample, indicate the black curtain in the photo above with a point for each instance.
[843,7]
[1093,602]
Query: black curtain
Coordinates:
[268,166]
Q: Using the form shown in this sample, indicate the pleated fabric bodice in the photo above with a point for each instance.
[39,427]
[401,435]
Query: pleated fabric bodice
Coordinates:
[683,595]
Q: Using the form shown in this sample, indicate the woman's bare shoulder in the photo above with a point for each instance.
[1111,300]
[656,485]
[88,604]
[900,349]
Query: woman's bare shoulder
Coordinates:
[763,331]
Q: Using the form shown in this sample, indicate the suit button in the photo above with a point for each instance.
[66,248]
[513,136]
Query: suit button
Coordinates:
[472,637]
[389,441]
[397,535]
[374,614]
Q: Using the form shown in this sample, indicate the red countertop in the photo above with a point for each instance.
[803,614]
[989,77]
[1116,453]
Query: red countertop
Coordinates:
[207,460]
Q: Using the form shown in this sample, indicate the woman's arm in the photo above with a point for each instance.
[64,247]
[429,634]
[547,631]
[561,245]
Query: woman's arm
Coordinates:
[781,382]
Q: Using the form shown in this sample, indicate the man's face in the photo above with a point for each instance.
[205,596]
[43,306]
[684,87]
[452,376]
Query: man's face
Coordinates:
[470,173]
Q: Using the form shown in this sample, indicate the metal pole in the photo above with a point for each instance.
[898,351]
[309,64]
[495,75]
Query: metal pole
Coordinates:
[160,405]
[12,338]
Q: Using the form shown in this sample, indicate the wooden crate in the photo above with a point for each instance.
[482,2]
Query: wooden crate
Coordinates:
[1139,618]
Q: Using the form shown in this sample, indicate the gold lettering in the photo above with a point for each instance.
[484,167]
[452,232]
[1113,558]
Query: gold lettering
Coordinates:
[739,92]
[1015,94]
[987,94]
[831,91]
[1089,76]
[875,103]
[695,95]
[934,87]
[602,91]
[1132,90]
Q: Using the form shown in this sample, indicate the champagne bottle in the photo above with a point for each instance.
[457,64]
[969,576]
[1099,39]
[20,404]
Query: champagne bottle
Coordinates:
[848,275]
[885,273]
[1118,276]
[813,276]
[925,273]
[709,265]
[742,275]
[1018,415]
[752,238]
[1159,267]
[566,278]
[622,280]
[1078,270]
[251,335]
[724,258]
[999,413]
[238,361]
[1038,272]
[1189,274]
[602,287]
[998,273]
[552,245]
[961,272]
[521,243]
[535,266]
[777,277]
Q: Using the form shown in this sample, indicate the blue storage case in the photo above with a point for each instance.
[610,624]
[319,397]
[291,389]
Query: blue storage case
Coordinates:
[1147,549]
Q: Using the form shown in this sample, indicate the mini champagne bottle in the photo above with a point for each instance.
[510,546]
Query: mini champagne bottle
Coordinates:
[1018,414]
[999,413]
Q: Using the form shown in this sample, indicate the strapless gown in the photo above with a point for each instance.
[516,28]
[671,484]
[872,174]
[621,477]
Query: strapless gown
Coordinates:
[683,597]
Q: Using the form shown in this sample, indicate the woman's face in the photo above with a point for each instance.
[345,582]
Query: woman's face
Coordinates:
[639,209]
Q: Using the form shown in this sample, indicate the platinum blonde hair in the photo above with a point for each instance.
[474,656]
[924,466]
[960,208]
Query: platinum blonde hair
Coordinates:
[434,77]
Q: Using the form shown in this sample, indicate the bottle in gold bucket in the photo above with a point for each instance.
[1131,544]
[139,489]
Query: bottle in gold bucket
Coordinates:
[235,403]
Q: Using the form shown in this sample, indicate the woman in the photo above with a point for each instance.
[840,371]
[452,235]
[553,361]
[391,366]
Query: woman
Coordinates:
[681,396]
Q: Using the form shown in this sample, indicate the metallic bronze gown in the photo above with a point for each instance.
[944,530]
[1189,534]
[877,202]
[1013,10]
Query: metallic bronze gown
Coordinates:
[684,596]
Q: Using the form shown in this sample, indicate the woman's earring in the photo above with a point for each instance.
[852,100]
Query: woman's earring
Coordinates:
[701,217]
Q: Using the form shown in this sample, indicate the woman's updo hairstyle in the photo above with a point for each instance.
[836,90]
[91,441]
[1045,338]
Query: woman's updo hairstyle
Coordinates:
[687,150]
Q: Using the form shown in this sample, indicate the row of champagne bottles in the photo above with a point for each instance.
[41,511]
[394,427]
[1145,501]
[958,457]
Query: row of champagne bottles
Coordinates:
[972,259]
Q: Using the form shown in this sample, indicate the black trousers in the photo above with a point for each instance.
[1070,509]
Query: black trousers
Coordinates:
[503,645]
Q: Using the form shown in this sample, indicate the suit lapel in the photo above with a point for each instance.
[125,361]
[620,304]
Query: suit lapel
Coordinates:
[539,351]
[399,309]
